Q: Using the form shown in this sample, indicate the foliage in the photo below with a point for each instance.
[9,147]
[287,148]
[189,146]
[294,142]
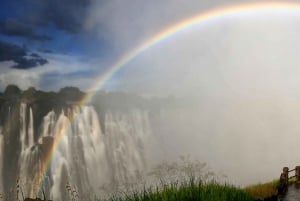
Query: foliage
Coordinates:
[71,93]
[260,191]
[12,90]
[183,169]
[73,194]
[183,180]
[186,191]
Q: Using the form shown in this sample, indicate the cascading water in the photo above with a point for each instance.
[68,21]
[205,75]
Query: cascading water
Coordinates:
[89,159]
[29,162]
[1,158]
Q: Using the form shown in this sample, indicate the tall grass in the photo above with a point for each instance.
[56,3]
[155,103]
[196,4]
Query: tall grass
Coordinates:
[186,191]
[183,180]
[260,191]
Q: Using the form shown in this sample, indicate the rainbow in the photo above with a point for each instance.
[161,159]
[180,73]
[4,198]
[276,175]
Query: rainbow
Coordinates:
[187,24]
[202,17]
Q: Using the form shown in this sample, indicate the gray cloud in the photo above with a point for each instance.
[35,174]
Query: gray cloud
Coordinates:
[20,55]
[24,63]
[10,51]
[36,15]
[15,27]
[61,70]
[68,15]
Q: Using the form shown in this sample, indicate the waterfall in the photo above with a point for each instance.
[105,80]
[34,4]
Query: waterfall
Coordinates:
[90,160]
[30,129]
[29,157]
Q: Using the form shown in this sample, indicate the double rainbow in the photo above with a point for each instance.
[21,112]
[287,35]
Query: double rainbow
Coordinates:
[207,16]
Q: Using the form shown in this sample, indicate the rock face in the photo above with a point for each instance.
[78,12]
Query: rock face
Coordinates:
[91,147]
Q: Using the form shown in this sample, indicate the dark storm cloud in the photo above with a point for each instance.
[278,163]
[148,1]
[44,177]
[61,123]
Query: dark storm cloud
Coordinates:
[34,17]
[14,27]
[20,55]
[10,52]
[67,15]
[24,63]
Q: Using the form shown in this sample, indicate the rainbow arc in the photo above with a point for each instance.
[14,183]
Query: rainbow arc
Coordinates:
[189,23]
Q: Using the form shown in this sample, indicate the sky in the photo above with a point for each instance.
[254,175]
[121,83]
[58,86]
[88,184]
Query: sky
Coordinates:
[51,44]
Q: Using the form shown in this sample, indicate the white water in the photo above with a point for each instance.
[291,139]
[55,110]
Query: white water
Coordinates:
[91,161]
[29,163]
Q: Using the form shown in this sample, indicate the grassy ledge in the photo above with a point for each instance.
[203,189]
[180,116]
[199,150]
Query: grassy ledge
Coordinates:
[186,191]
[260,191]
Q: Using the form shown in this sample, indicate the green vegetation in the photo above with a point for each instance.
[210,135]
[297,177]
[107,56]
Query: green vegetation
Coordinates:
[183,180]
[187,191]
[260,191]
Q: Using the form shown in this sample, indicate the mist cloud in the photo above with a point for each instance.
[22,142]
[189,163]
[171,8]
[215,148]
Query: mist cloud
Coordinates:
[238,76]
[242,54]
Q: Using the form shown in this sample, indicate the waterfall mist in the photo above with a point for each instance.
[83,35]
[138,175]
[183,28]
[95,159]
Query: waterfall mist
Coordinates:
[115,141]
[236,81]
